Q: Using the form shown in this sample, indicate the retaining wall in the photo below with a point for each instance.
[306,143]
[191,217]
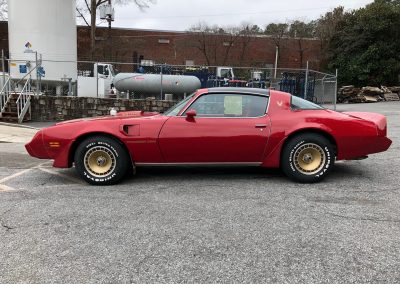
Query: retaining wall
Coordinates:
[50,108]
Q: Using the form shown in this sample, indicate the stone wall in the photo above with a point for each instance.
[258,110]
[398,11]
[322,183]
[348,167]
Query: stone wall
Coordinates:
[50,108]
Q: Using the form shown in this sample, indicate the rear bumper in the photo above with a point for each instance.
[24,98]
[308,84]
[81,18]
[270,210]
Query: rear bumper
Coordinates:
[382,144]
[356,148]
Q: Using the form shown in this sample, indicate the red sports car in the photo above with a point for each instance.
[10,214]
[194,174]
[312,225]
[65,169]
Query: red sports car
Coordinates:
[217,126]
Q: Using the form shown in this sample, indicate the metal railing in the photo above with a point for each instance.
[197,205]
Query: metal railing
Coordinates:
[24,101]
[5,95]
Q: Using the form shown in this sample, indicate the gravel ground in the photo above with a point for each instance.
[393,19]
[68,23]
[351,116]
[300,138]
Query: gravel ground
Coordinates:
[186,225]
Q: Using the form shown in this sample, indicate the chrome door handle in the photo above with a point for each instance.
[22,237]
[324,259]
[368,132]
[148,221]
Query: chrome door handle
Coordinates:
[261,126]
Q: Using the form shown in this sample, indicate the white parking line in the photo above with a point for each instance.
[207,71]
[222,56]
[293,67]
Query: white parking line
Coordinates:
[4,187]
[14,175]
[53,172]
[41,168]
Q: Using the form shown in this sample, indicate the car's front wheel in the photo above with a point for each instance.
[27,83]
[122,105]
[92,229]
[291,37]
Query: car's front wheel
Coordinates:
[101,160]
[307,158]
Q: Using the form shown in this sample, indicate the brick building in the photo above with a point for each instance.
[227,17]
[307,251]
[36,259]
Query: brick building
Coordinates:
[182,48]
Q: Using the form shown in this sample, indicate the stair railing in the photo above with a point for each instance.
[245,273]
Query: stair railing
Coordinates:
[24,101]
[5,95]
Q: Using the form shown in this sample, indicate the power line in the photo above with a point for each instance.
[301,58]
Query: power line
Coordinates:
[226,14]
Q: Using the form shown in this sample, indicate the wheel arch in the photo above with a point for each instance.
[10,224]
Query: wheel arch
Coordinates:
[84,136]
[319,131]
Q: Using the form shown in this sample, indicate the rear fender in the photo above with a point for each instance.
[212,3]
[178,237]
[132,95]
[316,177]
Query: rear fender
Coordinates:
[273,157]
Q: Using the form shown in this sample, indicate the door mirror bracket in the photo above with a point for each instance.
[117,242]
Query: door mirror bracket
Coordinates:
[191,113]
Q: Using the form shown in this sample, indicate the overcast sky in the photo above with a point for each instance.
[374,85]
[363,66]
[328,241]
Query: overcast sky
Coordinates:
[182,14]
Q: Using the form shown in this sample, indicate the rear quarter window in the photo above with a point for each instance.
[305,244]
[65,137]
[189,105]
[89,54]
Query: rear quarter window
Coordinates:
[299,103]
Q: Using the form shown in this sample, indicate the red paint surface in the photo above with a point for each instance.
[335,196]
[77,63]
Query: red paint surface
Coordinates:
[154,138]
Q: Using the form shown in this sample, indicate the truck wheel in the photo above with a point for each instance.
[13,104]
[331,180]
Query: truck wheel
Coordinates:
[101,160]
[307,158]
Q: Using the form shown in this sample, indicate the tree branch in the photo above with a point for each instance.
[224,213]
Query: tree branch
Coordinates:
[83,17]
[99,2]
[88,7]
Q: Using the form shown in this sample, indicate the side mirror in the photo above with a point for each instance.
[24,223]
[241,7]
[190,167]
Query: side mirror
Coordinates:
[191,113]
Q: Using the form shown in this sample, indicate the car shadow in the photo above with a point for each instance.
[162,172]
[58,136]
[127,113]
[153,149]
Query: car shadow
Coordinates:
[204,172]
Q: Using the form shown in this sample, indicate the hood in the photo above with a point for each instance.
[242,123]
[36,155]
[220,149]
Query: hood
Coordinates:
[120,115]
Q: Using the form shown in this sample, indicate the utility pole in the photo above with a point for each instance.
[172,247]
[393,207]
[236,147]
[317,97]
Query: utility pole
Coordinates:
[109,19]
[107,13]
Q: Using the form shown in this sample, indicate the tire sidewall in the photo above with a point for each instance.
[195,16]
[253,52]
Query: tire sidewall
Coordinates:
[120,160]
[288,162]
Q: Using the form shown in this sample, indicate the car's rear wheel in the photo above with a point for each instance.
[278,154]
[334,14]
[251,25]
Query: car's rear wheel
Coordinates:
[101,160]
[307,158]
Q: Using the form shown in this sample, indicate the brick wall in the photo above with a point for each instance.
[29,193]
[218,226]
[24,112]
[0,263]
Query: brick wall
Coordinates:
[50,108]
[121,45]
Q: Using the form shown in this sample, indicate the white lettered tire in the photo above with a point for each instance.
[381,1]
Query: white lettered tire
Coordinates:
[101,160]
[307,158]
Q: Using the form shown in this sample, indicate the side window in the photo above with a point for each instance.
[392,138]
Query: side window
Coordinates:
[230,105]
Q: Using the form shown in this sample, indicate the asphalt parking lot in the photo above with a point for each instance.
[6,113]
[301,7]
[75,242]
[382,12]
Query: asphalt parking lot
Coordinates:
[203,225]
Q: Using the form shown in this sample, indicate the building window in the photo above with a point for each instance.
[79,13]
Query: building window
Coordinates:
[189,62]
[227,43]
[163,41]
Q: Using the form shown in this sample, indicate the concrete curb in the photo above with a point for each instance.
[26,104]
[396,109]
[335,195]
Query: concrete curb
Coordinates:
[18,125]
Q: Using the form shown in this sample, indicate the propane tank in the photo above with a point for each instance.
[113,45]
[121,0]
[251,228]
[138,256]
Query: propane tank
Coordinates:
[155,83]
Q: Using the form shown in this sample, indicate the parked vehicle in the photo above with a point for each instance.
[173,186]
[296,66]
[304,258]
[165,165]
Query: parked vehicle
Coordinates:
[217,126]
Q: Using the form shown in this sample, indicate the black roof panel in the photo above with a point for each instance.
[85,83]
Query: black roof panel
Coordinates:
[257,91]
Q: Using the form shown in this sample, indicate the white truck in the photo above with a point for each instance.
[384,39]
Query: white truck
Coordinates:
[96,82]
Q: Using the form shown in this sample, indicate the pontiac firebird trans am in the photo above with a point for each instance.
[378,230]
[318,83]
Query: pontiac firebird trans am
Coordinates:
[216,126]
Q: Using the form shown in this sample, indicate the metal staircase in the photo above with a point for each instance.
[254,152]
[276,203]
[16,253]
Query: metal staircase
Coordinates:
[15,106]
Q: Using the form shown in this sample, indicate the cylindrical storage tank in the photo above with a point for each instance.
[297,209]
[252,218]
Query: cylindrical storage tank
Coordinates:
[155,83]
[47,27]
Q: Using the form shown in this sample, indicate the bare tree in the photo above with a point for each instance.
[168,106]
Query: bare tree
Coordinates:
[218,44]
[206,40]
[278,33]
[247,35]
[87,12]
[300,31]
[326,25]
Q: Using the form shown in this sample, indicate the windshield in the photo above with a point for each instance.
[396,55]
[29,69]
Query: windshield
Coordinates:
[178,107]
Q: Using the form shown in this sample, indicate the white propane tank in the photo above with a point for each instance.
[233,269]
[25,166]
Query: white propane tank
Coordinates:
[47,27]
[151,83]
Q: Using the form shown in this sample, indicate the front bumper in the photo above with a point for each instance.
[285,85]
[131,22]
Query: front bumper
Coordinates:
[36,147]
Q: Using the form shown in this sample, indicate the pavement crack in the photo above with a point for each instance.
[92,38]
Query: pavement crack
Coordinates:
[8,228]
[372,219]
[3,223]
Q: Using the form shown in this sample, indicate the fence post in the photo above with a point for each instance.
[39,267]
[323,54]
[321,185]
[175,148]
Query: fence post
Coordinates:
[3,67]
[161,94]
[96,69]
[276,61]
[336,89]
[40,75]
[306,83]
[37,73]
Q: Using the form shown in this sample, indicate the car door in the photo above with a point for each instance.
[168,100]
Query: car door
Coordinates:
[228,128]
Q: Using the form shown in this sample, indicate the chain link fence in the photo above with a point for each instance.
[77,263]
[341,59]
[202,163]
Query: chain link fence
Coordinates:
[312,85]
[315,86]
